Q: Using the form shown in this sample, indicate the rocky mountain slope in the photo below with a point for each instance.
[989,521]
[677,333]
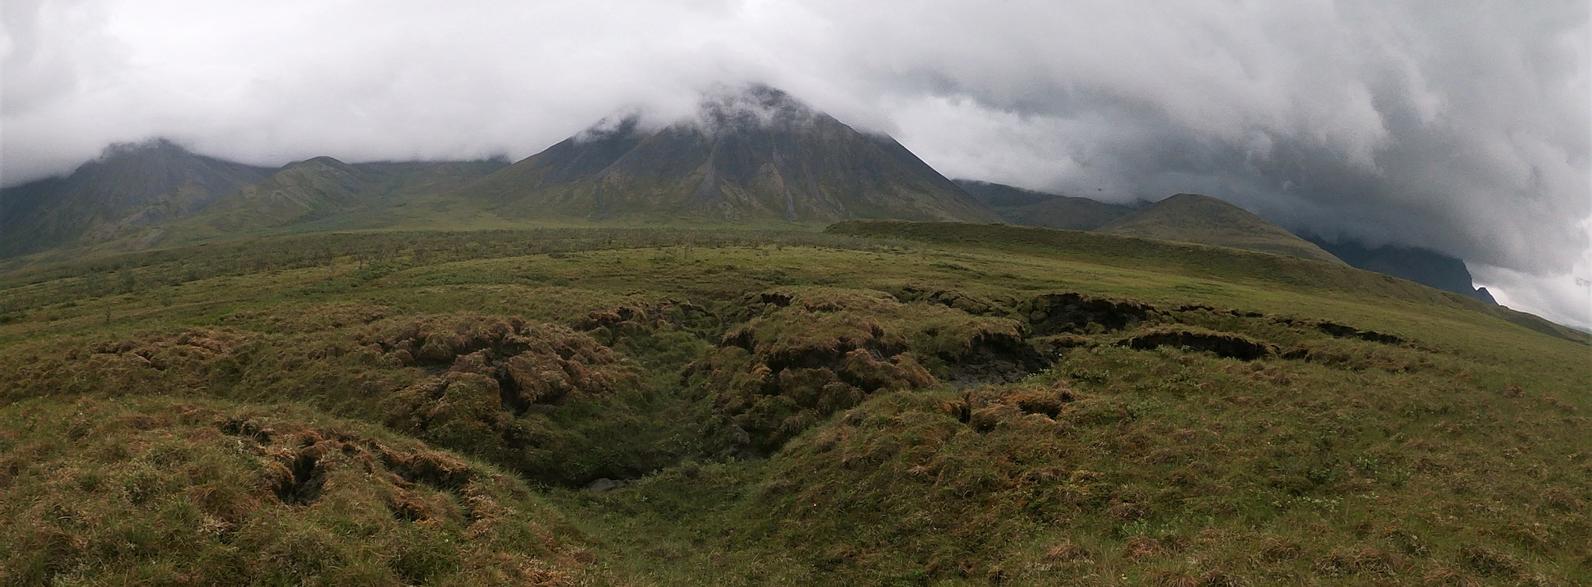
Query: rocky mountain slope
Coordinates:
[750,154]
[129,188]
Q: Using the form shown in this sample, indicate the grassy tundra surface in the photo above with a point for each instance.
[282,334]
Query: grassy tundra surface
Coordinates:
[879,403]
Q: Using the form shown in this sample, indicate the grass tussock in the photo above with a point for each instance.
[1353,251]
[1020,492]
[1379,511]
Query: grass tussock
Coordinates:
[806,353]
[946,404]
[153,491]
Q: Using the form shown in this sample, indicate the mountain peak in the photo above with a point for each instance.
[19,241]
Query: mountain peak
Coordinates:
[750,152]
[144,148]
[734,108]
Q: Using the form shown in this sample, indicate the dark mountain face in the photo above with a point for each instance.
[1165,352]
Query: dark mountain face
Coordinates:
[755,154]
[1419,265]
[148,192]
[1030,208]
[129,187]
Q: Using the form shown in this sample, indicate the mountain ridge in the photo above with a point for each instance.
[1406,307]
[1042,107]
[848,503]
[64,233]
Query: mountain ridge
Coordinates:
[1416,264]
[130,186]
[755,154]
[139,193]
[1206,220]
[1018,205]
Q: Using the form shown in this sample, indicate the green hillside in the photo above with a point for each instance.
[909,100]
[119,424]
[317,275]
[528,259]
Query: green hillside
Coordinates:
[323,193]
[1194,218]
[882,403]
[1030,208]
[126,193]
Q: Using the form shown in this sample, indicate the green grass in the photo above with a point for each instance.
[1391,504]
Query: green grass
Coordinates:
[782,407]
[1202,219]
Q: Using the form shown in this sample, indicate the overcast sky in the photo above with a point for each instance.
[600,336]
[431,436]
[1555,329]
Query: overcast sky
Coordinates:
[1459,126]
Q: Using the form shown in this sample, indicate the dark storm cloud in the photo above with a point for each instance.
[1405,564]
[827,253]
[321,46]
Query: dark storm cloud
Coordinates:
[1459,126]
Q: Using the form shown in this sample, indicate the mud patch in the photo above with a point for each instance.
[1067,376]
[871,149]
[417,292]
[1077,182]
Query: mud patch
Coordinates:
[1393,359]
[1342,331]
[1221,344]
[1218,311]
[300,480]
[1336,330]
[972,304]
[994,357]
[1071,313]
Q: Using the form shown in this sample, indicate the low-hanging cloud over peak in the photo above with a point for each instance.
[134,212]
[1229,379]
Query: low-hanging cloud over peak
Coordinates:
[1458,127]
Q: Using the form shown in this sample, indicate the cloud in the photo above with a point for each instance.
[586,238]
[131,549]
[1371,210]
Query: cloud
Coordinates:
[1459,127]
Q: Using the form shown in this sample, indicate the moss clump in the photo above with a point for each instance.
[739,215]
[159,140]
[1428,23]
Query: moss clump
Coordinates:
[500,378]
[166,491]
[805,353]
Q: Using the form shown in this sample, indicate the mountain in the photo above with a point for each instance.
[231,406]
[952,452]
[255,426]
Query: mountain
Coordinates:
[158,192]
[130,187]
[750,154]
[1416,264]
[323,187]
[1016,205]
[1205,220]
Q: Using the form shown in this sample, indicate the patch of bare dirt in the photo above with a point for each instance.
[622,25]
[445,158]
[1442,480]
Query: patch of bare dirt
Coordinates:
[1221,344]
[972,304]
[1336,330]
[1071,313]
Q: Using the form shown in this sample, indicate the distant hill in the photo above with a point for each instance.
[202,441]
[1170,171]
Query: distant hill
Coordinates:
[128,188]
[1016,205]
[1416,264]
[1194,218]
[751,154]
[323,187]
[146,193]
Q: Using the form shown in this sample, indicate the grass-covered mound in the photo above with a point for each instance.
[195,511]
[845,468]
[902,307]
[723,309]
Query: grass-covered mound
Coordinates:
[547,401]
[166,491]
[1387,433]
[1167,466]
[806,353]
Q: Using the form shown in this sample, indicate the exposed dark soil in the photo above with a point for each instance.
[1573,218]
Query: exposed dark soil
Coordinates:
[1336,330]
[993,357]
[301,485]
[1216,310]
[1071,313]
[975,305]
[1221,344]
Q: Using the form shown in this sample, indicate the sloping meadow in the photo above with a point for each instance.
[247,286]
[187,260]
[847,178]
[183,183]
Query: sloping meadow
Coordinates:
[679,415]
